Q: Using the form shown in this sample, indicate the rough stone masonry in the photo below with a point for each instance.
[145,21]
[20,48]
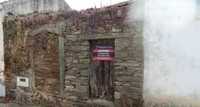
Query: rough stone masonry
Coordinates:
[19,7]
[49,58]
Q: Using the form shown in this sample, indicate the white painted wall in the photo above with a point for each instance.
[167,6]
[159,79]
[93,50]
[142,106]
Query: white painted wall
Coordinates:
[29,6]
[2,87]
[172,48]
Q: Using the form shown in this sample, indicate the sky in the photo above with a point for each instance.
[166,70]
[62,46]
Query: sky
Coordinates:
[84,4]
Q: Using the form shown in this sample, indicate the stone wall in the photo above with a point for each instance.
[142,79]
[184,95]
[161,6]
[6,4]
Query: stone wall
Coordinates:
[21,7]
[77,29]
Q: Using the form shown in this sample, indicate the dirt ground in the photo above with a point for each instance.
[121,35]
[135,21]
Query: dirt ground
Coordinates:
[15,105]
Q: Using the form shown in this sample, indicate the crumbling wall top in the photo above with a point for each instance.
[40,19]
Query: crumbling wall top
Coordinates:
[93,20]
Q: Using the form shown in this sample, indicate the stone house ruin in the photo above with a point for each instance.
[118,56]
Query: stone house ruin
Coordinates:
[23,7]
[90,58]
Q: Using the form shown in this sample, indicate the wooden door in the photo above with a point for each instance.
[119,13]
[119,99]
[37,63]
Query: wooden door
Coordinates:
[101,73]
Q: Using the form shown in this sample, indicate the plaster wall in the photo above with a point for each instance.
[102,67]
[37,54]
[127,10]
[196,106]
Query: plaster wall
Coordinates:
[171,47]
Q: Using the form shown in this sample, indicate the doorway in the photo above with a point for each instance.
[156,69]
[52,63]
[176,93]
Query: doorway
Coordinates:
[101,69]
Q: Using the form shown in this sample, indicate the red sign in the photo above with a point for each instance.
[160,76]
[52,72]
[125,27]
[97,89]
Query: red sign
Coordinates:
[103,53]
